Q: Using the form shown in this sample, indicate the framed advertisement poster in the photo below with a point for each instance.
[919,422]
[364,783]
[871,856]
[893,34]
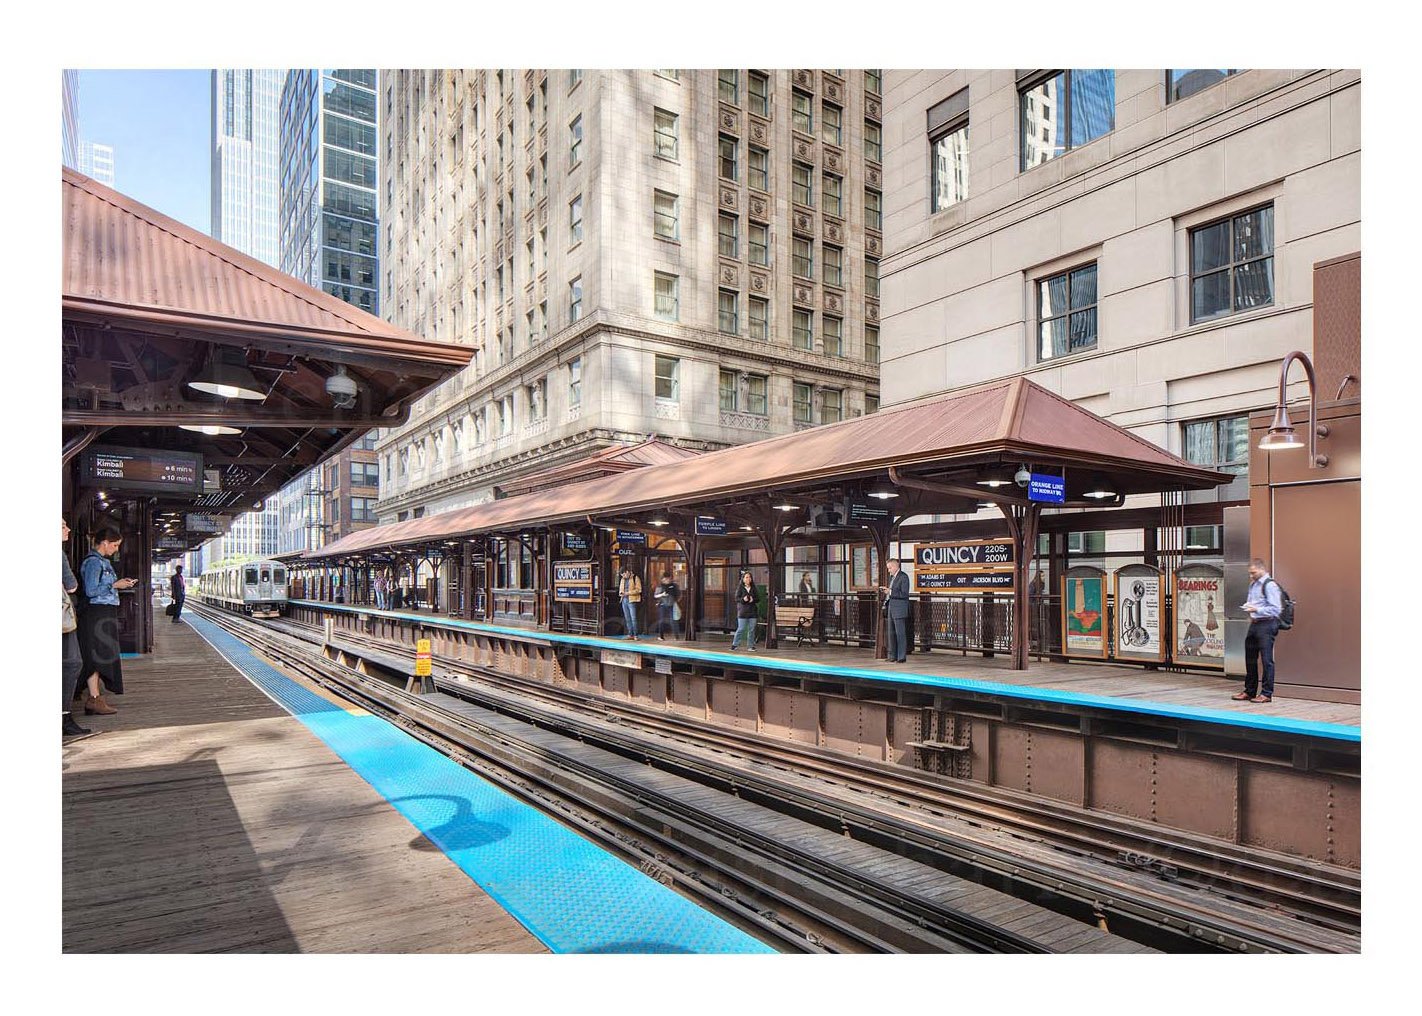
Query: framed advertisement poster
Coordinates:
[1197,616]
[1084,612]
[1140,613]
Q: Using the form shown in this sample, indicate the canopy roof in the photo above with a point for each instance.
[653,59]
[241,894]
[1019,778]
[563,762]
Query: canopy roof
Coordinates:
[617,458]
[149,304]
[953,438]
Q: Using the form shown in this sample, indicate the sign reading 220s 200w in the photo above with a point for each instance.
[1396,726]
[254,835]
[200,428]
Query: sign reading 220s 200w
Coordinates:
[964,567]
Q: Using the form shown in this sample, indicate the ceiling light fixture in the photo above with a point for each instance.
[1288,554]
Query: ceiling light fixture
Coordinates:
[210,429]
[227,375]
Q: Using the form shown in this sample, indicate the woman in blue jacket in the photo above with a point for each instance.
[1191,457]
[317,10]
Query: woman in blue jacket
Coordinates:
[98,623]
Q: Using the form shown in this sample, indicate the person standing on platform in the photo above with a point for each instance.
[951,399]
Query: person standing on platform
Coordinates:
[629,592]
[897,609]
[666,594]
[98,624]
[73,660]
[178,586]
[1263,605]
[746,612]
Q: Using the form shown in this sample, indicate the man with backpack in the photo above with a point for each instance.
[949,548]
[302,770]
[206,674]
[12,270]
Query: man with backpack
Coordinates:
[1265,605]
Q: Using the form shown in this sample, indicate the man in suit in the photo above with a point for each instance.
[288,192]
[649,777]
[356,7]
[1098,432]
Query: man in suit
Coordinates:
[897,607]
[179,588]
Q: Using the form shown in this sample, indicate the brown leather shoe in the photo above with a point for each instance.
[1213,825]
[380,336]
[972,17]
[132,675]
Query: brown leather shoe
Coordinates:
[96,705]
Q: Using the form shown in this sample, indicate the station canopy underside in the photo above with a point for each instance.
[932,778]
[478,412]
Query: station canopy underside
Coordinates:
[151,306]
[952,444]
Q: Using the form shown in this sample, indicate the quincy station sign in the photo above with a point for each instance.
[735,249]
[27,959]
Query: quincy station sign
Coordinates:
[967,566]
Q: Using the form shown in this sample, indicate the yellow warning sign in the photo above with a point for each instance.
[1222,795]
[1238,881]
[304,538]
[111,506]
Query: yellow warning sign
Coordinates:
[422,658]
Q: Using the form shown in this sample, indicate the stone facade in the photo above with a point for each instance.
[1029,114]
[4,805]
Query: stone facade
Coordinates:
[488,178]
[961,296]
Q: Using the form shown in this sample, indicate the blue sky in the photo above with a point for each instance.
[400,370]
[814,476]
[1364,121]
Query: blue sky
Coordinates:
[158,123]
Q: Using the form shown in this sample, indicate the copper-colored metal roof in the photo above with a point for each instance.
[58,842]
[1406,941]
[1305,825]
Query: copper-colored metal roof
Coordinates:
[123,259]
[1013,419]
[617,458]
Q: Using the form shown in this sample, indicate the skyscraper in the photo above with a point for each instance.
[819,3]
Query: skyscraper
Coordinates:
[97,160]
[329,132]
[328,179]
[69,93]
[245,184]
[692,254]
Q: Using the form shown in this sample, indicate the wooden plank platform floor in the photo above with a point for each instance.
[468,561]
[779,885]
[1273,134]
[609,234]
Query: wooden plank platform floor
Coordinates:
[1200,690]
[204,818]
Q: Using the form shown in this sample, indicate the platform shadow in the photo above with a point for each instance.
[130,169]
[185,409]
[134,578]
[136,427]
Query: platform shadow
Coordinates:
[460,831]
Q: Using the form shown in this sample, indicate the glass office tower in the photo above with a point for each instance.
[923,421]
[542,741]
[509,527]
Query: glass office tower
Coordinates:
[329,224]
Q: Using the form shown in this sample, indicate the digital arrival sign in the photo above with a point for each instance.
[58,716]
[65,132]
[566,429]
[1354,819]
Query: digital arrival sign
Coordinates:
[140,469]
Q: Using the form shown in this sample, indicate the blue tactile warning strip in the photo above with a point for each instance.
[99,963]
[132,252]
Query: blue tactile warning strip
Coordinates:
[1253,721]
[573,896]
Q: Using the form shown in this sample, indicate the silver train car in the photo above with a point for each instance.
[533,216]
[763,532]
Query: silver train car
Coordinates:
[257,588]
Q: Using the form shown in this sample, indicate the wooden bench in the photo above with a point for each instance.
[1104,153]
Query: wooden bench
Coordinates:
[797,621]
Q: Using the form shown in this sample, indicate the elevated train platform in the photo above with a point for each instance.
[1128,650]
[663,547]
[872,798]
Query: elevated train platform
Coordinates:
[228,807]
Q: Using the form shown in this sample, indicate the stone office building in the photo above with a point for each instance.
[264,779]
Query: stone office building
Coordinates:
[1143,242]
[690,255]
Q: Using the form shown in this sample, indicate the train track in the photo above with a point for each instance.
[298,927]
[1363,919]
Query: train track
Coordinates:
[1170,891]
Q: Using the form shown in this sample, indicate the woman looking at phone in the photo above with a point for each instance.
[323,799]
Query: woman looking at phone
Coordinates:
[98,623]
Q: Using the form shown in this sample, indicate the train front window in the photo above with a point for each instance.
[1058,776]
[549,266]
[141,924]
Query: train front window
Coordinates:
[251,576]
[266,575]
[279,576]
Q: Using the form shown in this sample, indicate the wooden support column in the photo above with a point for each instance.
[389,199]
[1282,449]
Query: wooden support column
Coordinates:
[466,580]
[1022,520]
[882,539]
[691,600]
[772,540]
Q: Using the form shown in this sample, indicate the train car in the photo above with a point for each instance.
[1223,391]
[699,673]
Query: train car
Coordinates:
[257,588]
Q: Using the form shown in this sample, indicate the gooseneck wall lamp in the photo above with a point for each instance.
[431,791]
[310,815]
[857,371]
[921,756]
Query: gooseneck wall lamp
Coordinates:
[1281,431]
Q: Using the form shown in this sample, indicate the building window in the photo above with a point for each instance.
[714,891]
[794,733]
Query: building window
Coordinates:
[871,343]
[664,297]
[729,155]
[728,88]
[873,209]
[802,332]
[802,258]
[801,178]
[537,394]
[802,404]
[532,331]
[1232,265]
[759,162]
[575,299]
[871,277]
[1221,444]
[674,75]
[728,311]
[1182,84]
[873,141]
[574,77]
[800,116]
[664,133]
[666,215]
[728,239]
[871,404]
[543,175]
[532,259]
[758,239]
[1065,110]
[758,88]
[950,164]
[833,336]
[575,382]
[729,390]
[832,258]
[363,509]
[668,378]
[758,395]
[575,141]
[831,405]
[759,318]
[532,187]
[874,81]
[365,474]
[543,314]
[1066,310]
[506,415]
[834,189]
[832,124]
[575,220]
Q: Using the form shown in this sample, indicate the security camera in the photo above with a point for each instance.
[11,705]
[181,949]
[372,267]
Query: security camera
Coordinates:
[341,389]
[1022,477]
